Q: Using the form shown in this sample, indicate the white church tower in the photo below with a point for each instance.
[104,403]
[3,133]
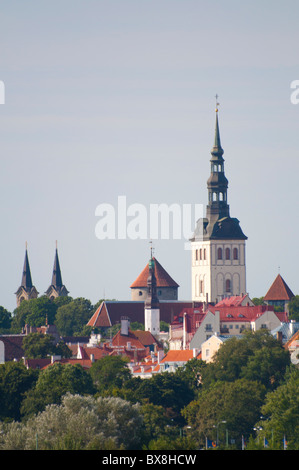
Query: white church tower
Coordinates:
[151,304]
[218,243]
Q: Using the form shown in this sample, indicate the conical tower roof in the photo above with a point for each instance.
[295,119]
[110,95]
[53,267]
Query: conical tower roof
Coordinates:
[279,290]
[163,279]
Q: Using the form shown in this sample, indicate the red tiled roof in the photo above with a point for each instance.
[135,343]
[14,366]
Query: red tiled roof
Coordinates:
[246,313]
[279,290]
[162,277]
[120,340]
[13,348]
[233,301]
[145,337]
[178,355]
[110,312]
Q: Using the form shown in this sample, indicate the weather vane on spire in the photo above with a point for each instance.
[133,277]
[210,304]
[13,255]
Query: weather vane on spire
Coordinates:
[217,103]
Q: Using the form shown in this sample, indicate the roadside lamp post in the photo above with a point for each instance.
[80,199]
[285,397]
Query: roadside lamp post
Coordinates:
[217,440]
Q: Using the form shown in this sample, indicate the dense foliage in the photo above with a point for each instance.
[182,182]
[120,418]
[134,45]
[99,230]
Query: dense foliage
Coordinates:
[249,393]
[67,407]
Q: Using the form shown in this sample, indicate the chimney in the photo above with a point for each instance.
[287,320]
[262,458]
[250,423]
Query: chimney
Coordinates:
[184,331]
[124,328]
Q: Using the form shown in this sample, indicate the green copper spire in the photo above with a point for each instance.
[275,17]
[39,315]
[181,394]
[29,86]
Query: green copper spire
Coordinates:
[217,150]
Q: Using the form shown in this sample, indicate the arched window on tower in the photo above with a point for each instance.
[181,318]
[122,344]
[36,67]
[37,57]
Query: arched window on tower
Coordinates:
[235,253]
[219,253]
[227,285]
[227,253]
[204,254]
[214,196]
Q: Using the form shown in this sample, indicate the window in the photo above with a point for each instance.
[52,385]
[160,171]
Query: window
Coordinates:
[235,253]
[201,287]
[204,254]
[200,254]
[196,255]
[227,253]
[140,293]
[227,285]
[219,253]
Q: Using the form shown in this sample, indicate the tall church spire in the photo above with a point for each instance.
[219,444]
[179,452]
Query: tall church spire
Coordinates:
[26,276]
[26,291]
[218,242]
[151,304]
[56,276]
[56,289]
[217,182]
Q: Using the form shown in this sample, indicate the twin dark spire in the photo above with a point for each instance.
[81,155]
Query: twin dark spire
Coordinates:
[27,290]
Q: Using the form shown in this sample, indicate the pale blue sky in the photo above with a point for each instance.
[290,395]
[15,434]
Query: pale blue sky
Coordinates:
[109,98]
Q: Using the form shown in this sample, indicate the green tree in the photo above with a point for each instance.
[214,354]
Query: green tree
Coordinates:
[258,301]
[256,356]
[109,372]
[78,423]
[192,372]
[38,345]
[5,320]
[15,381]
[168,390]
[73,316]
[34,312]
[294,308]
[234,406]
[53,383]
[281,413]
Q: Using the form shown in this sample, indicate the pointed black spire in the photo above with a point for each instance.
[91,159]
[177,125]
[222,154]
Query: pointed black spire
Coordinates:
[56,289]
[56,276]
[217,150]
[26,275]
[217,182]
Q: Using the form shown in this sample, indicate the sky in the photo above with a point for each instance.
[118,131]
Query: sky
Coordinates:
[117,98]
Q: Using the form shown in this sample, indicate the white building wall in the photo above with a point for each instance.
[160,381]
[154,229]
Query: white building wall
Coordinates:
[152,320]
[211,275]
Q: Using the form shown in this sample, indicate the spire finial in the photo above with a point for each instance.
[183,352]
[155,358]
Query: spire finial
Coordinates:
[217,103]
[56,244]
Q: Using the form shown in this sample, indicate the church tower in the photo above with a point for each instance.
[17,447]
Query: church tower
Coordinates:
[56,289]
[218,243]
[151,304]
[26,291]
